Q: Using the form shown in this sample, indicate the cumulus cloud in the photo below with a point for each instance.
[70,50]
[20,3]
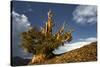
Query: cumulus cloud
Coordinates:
[75,45]
[20,23]
[85,14]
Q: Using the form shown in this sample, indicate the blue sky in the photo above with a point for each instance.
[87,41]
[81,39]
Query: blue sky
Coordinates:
[82,18]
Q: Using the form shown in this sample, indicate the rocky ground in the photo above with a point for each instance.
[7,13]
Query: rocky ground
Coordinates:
[84,54]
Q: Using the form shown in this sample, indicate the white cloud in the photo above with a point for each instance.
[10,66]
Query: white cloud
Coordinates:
[85,14]
[20,24]
[91,39]
[71,46]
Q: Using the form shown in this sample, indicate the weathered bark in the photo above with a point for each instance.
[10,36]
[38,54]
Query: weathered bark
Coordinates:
[38,59]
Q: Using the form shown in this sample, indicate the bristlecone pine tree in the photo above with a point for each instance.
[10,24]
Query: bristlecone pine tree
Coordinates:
[41,43]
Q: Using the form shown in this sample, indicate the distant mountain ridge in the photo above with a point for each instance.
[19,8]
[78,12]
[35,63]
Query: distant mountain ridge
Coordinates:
[18,61]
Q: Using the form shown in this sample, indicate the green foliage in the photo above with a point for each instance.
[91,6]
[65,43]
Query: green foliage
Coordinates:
[33,41]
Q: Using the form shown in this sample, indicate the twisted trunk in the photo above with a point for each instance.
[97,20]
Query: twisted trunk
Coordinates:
[38,59]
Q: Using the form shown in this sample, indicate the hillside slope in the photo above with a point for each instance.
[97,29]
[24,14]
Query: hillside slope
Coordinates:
[83,54]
